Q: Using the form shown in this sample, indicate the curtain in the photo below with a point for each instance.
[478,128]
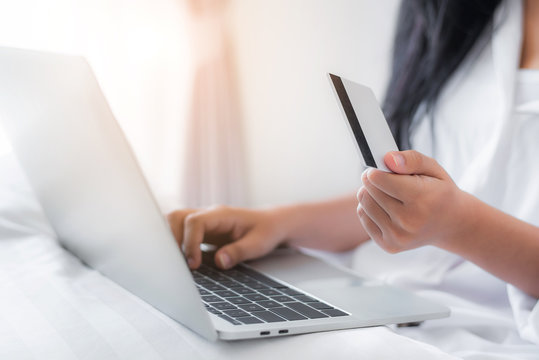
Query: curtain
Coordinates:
[214,166]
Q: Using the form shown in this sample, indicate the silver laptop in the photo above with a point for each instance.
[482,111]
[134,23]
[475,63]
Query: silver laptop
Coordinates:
[96,198]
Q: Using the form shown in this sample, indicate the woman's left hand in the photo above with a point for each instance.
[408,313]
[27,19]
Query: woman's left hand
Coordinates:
[416,205]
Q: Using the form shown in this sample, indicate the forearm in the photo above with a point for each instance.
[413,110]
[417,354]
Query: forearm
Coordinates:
[499,243]
[330,225]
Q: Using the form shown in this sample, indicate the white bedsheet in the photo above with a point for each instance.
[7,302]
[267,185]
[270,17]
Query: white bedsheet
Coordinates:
[54,307]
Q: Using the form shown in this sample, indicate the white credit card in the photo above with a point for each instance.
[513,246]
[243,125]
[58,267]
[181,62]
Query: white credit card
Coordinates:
[366,120]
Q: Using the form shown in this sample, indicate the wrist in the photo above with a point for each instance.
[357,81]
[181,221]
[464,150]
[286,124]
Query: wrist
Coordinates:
[287,221]
[466,214]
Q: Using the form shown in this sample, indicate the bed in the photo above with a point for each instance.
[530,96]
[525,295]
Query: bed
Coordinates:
[54,307]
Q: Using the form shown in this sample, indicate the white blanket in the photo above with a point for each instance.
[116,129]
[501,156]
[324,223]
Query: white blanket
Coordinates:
[54,307]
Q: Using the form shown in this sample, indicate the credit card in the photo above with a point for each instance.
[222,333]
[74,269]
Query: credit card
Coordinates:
[366,121]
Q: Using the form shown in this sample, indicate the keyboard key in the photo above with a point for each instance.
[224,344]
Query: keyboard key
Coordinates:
[257,286]
[205,269]
[320,305]
[268,316]
[218,277]
[279,286]
[334,312]
[213,310]
[213,287]
[244,291]
[272,283]
[238,300]
[287,313]
[242,278]
[306,311]
[260,277]
[249,320]
[203,292]
[269,304]
[232,272]
[231,284]
[203,281]
[251,307]
[225,293]
[211,298]
[282,298]
[256,297]
[304,298]
[223,306]
[290,292]
[269,292]
[229,319]
[236,274]
[268,282]
[236,313]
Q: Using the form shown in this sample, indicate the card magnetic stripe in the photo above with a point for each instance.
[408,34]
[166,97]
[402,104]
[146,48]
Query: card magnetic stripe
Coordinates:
[353,120]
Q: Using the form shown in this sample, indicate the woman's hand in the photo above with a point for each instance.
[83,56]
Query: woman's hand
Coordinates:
[244,234]
[417,205]
[420,205]
[240,234]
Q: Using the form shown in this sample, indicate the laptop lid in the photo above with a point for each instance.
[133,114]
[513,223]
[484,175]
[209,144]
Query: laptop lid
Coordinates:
[87,179]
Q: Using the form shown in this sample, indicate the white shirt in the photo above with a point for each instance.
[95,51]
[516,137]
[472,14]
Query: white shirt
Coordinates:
[485,133]
[526,89]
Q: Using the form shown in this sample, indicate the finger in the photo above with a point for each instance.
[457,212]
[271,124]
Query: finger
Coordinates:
[251,246]
[412,162]
[386,202]
[369,226]
[401,187]
[375,233]
[175,220]
[217,220]
[373,210]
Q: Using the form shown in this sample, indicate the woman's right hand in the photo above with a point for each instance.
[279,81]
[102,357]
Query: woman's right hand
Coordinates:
[240,234]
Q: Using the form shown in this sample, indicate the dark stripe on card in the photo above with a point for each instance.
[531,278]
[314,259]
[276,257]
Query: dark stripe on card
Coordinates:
[353,120]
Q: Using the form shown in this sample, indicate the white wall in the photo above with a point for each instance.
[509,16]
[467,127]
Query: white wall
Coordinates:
[298,145]
[140,53]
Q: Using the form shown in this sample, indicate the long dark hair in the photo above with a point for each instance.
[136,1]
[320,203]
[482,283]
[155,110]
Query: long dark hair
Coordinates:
[433,38]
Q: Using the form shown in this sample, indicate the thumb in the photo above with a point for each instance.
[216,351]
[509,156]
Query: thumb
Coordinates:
[251,246]
[411,162]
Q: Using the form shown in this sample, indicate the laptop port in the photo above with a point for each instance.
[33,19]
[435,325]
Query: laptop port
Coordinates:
[264,333]
[283,331]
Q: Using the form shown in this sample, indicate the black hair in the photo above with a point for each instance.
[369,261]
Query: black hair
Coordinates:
[432,39]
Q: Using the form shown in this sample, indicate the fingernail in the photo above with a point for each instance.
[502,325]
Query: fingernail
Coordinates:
[224,259]
[398,159]
[190,261]
[364,173]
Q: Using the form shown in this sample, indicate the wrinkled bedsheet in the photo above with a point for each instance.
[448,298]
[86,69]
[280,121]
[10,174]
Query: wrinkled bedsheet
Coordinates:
[54,307]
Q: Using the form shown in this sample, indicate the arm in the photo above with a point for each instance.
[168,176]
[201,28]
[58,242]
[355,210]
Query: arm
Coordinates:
[501,244]
[244,234]
[331,225]
[420,205]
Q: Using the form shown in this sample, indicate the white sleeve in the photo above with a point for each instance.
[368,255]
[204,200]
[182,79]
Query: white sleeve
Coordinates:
[526,311]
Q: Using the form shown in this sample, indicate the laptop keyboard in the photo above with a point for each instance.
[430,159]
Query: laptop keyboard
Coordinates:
[245,296]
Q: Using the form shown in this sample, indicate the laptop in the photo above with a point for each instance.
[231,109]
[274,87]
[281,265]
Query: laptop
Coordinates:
[94,194]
